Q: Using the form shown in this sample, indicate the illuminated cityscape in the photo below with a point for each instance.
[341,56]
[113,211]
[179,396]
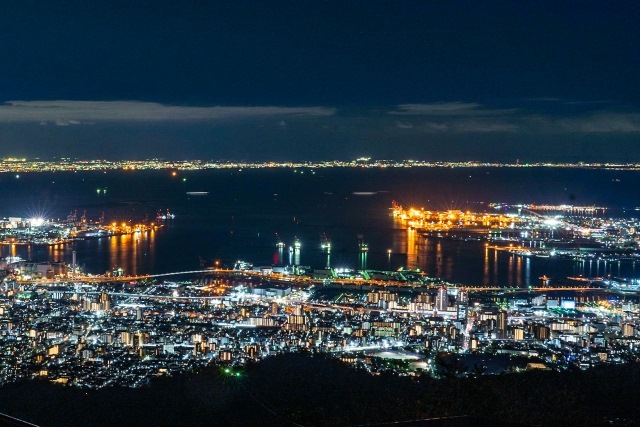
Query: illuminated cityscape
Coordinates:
[67,324]
[99,330]
[99,335]
[13,165]
[319,213]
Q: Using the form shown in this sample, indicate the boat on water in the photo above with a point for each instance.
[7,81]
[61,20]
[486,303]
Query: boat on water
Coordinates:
[162,216]
[197,193]
[92,233]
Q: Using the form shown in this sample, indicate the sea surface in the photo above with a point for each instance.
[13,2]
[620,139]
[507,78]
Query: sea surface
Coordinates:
[246,212]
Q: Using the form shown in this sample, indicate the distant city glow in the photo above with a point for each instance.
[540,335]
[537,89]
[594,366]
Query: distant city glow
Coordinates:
[74,165]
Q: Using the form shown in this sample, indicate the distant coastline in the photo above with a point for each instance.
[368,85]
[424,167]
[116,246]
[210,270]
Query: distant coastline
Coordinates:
[23,165]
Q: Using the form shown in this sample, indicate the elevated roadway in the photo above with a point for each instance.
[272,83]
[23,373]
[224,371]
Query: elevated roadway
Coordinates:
[360,284]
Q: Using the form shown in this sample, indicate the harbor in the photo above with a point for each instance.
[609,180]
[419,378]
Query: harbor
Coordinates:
[50,232]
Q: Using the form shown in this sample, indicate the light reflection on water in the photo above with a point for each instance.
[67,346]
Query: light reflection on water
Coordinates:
[135,253]
[241,219]
[470,262]
[457,261]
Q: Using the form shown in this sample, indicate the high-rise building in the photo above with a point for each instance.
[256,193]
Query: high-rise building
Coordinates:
[423,297]
[388,296]
[461,312]
[541,332]
[373,297]
[502,324]
[463,297]
[126,338]
[442,299]
[274,308]
[105,302]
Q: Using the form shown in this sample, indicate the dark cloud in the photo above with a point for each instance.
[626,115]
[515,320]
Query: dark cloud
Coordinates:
[68,112]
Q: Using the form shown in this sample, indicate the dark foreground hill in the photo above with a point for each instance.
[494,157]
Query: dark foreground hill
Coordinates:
[314,391]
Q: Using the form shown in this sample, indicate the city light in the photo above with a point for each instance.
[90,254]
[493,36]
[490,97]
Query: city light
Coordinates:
[74,165]
[36,222]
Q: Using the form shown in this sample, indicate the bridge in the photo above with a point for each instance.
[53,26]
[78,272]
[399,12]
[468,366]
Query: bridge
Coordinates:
[363,284]
[536,289]
[112,279]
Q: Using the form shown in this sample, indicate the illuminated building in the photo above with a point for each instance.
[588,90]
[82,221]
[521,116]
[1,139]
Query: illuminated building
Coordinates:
[502,324]
[442,299]
[274,308]
[373,297]
[518,334]
[541,332]
[461,309]
[628,330]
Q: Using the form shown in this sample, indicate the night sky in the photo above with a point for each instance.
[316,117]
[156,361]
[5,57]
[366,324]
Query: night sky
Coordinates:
[258,80]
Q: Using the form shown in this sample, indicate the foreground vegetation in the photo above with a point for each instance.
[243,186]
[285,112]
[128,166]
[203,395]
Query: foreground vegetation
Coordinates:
[316,391]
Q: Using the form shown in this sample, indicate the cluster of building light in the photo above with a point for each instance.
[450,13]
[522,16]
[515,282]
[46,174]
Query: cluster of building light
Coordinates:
[446,220]
[14,165]
[33,231]
[40,231]
[575,231]
[99,335]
